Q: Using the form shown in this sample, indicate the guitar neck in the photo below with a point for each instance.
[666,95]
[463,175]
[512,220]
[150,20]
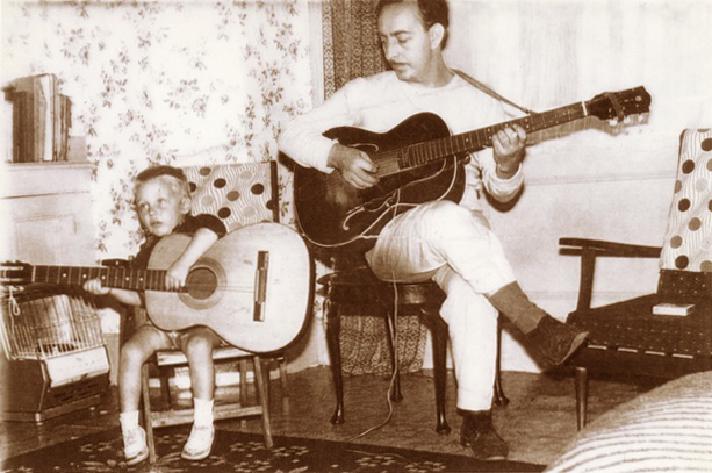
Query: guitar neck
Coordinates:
[421,153]
[119,277]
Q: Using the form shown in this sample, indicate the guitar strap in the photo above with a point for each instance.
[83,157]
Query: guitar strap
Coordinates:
[488,90]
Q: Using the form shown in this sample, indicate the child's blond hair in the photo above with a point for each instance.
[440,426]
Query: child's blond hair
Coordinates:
[178,183]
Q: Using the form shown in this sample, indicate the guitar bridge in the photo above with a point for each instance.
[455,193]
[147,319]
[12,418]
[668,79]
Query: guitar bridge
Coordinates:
[260,287]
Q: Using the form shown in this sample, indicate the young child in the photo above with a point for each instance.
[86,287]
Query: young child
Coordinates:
[163,205]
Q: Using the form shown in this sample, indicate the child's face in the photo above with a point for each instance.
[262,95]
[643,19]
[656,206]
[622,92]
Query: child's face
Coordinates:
[161,205]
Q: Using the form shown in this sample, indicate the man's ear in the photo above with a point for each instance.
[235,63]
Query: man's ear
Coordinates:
[437,35]
[185,205]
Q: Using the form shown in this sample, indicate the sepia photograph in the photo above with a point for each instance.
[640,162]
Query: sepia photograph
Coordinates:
[356,236]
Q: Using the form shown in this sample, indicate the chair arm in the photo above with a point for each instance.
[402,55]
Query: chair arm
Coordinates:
[589,249]
[607,248]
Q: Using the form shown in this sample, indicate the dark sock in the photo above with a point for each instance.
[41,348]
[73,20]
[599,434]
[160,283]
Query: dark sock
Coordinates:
[511,301]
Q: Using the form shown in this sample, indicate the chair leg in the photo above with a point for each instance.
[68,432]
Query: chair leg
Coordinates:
[283,375]
[439,332]
[243,381]
[333,326]
[147,419]
[396,393]
[264,403]
[242,364]
[283,383]
[499,398]
[581,384]
[164,376]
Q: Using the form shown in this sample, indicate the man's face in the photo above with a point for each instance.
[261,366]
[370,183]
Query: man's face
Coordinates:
[405,41]
[161,205]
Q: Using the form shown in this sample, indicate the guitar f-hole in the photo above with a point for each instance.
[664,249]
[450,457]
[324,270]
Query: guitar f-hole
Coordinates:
[260,288]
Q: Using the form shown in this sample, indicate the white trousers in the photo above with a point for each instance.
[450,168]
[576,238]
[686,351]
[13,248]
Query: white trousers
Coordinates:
[454,247]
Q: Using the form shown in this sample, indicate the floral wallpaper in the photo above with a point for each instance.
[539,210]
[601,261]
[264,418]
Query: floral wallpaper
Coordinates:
[181,82]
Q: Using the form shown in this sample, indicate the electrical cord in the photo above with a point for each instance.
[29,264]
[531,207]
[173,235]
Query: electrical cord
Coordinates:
[391,384]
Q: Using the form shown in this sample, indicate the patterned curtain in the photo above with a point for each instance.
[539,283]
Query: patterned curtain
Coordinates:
[351,45]
[352,49]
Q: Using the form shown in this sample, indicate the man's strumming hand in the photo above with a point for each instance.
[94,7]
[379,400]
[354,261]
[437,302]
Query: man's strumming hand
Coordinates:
[354,166]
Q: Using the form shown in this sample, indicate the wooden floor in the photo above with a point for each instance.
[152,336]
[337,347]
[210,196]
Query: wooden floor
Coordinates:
[538,422]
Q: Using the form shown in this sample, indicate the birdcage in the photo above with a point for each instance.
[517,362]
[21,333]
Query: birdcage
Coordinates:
[54,353]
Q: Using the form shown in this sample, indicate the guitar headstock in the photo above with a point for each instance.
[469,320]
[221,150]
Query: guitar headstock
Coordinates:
[618,105]
[15,273]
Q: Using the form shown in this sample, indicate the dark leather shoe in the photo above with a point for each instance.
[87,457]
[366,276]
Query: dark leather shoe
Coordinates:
[477,432]
[556,341]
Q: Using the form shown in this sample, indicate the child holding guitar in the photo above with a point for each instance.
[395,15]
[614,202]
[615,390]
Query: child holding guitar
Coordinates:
[163,205]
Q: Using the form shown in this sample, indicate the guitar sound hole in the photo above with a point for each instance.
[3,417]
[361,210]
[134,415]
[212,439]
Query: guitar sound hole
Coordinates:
[201,283]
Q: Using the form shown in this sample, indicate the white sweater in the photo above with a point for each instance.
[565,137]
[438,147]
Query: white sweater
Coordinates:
[380,102]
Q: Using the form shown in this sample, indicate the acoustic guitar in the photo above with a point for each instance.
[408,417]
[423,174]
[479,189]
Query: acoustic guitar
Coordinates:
[252,287]
[417,161]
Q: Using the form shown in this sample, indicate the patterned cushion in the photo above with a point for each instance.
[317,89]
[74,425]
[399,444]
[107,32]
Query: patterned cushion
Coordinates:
[240,194]
[666,429]
[688,240]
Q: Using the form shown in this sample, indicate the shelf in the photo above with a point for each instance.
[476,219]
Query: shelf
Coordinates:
[34,179]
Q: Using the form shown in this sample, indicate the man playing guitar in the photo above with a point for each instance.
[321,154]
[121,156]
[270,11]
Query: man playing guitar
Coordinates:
[447,241]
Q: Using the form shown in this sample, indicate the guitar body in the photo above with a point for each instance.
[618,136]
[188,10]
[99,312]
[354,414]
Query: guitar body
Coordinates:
[223,285]
[331,212]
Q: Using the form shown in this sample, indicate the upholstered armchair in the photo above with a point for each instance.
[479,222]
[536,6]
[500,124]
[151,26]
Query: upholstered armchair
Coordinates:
[668,333]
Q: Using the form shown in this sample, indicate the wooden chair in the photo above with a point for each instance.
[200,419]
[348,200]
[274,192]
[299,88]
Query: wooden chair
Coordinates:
[626,337]
[239,195]
[357,291]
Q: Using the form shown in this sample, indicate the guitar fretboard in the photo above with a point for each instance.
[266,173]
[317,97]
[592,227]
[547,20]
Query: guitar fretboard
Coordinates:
[119,277]
[422,153]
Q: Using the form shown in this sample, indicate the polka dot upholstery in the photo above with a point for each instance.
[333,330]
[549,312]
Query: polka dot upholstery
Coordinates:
[688,240]
[239,194]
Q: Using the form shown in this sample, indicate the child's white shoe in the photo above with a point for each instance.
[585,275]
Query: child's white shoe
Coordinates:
[135,448]
[199,442]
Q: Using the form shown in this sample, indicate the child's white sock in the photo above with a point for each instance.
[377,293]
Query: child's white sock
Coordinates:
[203,412]
[129,421]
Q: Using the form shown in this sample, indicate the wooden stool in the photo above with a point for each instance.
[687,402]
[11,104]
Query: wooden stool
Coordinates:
[358,291]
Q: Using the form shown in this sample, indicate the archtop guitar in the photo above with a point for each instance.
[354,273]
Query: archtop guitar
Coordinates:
[417,161]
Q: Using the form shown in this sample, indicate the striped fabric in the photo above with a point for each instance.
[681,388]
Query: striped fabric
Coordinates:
[666,429]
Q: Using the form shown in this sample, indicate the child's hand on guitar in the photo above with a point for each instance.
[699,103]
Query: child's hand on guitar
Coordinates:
[94,286]
[176,274]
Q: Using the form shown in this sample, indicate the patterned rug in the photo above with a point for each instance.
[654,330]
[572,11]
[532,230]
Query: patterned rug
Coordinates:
[245,452]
